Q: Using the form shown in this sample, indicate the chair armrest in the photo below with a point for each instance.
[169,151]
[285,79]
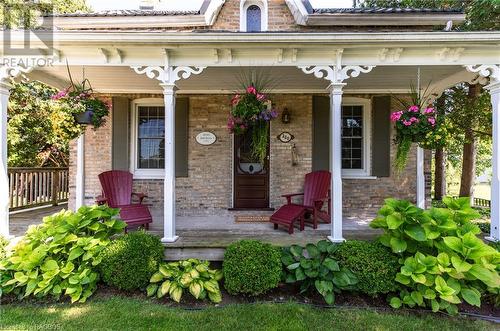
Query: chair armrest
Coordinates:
[140,196]
[289,197]
[101,200]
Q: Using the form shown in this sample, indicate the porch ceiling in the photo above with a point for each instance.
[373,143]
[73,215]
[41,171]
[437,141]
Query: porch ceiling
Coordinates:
[382,79]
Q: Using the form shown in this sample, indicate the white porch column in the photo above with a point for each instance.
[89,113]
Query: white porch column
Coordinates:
[336,160]
[336,74]
[494,89]
[169,181]
[420,178]
[167,75]
[80,172]
[493,72]
[4,180]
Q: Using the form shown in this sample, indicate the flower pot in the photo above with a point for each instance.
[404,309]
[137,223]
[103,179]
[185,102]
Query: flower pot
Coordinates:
[84,118]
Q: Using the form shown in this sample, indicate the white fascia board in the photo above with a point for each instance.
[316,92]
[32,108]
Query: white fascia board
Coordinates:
[166,37]
[370,19]
[298,10]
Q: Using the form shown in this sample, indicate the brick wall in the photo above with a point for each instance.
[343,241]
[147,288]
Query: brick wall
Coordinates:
[208,187]
[281,19]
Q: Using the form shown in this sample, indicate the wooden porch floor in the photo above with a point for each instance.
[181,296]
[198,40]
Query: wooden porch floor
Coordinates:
[207,236]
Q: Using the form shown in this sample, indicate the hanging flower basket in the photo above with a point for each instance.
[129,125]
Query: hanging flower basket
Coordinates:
[80,101]
[252,110]
[417,124]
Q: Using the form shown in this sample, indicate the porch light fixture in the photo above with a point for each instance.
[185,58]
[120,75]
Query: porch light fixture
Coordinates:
[286,116]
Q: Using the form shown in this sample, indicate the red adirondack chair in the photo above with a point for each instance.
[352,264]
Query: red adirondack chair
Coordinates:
[316,193]
[117,193]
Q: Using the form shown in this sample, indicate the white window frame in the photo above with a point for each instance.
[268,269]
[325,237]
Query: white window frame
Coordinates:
[365,171]
[244,4]
[138,172]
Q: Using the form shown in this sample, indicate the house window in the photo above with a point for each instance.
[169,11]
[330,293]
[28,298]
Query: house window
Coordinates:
[148,139]
[151,137]
[254,19]
[352,137]
[253,15]
[356,138]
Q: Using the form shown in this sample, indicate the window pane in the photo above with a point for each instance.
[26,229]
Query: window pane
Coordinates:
[352,137]
[151,138]
[254,19]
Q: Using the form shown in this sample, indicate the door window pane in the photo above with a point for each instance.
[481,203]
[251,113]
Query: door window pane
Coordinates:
[151,138]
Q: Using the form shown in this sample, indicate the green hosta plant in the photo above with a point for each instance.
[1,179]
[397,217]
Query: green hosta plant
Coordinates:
[315,267]
[60,256]
[444,262]
[409,228]
[192,275]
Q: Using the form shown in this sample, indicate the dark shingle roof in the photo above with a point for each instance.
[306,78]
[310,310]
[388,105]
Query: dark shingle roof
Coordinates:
[130,12]
[383,10]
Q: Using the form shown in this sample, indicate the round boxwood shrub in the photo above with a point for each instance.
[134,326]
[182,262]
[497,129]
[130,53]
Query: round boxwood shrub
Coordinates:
[251,267]
[373,263]
[129,261]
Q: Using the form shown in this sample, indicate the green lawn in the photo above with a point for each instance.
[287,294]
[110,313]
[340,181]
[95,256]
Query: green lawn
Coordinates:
[132,314]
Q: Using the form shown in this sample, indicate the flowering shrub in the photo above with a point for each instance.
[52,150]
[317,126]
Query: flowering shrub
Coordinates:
[251,111]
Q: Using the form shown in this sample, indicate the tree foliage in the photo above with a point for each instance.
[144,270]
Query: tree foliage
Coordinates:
[38,131]
[24,13]
[481,15]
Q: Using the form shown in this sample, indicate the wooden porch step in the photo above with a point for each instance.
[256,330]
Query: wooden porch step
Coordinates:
[210,245]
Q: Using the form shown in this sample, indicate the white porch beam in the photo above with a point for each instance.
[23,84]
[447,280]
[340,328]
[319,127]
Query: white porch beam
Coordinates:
[336,74]
[493,72]
[80,172]
[167,76]
[420,178]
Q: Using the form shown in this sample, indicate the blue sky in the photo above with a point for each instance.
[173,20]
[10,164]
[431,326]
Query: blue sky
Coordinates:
[194,4]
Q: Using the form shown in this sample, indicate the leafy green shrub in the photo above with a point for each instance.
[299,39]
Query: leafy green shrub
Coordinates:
[315,266]
[373,264]
[3,243]
[60,256]
[130,260]
[484,226]
[444,261]
[173,278]
[251,267]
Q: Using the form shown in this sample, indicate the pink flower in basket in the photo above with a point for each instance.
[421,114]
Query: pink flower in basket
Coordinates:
[236,99]
[407,123]
[429,110]
[414,109]
[432,121]
[251,90]
[61,94]
[395,116]
[261,97]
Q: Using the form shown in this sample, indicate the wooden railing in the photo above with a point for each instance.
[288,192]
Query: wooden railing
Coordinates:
[34,187]
[478,202]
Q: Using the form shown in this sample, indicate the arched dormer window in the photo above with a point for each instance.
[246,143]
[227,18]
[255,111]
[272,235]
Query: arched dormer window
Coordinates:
[253,16]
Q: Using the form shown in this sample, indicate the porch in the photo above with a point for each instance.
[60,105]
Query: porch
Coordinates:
[207,236]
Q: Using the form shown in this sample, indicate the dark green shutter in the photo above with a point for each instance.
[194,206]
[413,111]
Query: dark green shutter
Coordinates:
[321,133]
[181,136]
[120,136]
[381,142]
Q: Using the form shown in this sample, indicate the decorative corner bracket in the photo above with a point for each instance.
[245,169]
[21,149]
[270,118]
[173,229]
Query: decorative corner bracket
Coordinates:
[336,74]
[486,70]
[167,75]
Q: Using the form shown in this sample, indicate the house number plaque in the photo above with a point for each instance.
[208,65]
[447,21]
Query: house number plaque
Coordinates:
[285,137]
[206,138]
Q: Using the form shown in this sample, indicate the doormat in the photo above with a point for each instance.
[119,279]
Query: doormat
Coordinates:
[251,219]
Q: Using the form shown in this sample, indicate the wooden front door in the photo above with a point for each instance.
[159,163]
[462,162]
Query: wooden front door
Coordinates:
[251,178]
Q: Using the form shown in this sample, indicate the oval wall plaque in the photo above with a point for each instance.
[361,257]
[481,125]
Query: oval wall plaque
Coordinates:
[285,137]
[206,138]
